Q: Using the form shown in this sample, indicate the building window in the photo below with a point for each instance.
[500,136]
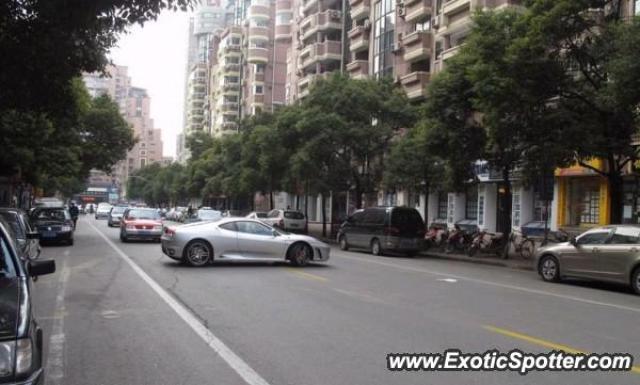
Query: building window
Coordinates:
[143,145]
[143,162]
[442,205]
[516,207]
[283,18]
[258,90]
[260,68]
[384,28]
[423,26]
[235,41]
[471,203]
[233,59]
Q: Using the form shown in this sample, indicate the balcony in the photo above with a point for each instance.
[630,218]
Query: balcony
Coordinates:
[229,108]
[234,48]
[320,52]
[258,55]
[415,83]
[258,100]
[358,69]
[304,84]
[259,12]
[283,32]
[454,6]
[359,39]
[360,9]
[231,88]
[308,4]
[229,126]
[258,77]
[325,21]
[417,10]
[231,68]
[417,46]
[283,5]
[259,33]
[449,53]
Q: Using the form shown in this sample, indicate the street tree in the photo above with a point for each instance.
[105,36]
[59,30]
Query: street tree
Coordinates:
[598,97]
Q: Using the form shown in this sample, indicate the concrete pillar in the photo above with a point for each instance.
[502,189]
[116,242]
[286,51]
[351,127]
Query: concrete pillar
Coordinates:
[433,207]
[489,198]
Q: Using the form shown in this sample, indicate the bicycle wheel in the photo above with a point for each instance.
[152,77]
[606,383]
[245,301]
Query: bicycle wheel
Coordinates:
[527,248]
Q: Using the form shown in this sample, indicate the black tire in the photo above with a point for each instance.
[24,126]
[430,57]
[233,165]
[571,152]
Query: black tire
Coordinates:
[376,248]
[527,249]
[197,253]
[299,254]
[70,242]
[123,237]
[471,251]
[635,280]
[549,268]
[344,245]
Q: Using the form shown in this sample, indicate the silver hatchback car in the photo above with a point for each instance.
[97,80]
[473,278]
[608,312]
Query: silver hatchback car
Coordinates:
[609,253]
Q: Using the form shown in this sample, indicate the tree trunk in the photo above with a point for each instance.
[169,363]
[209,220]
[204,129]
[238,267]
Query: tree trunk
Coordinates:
[616,195]
[425,209]
[270,200]
[506,212]
[324,215]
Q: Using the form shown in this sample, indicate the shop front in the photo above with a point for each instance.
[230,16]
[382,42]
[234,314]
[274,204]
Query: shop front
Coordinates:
[583,197]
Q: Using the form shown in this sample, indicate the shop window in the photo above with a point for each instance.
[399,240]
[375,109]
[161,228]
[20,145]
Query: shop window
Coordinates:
[442,205]
[516,207]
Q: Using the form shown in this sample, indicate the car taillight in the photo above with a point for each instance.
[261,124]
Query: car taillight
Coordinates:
[169,232]
[422,232]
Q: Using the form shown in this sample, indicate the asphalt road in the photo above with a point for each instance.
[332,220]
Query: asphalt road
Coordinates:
[119,313]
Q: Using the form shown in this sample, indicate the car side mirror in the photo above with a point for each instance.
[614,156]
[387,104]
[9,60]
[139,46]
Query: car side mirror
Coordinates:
[33,235]
[44,267]
[573,241]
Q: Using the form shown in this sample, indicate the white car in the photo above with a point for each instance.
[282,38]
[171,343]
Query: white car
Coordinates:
[287,220]
[103,210]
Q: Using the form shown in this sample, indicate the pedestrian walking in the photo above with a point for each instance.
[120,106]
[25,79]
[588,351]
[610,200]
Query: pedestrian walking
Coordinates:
[73,211]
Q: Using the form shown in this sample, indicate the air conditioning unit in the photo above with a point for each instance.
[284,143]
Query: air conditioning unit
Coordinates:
[367,24]
[396,48]
[401,11]
[435,22]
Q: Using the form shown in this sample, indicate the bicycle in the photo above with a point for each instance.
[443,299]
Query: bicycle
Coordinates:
[522,244]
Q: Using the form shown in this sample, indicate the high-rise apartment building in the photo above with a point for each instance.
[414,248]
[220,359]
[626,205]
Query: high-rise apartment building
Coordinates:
[209,18]
[134,103]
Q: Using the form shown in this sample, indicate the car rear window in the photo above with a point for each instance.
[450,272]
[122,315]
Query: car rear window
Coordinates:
[143,214]
[293,215]
[406,218]
[118,210]
[52,214]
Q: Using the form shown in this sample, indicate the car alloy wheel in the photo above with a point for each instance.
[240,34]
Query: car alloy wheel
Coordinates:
[343,243]
[549,269]
[299,254]
[635,280]
[198,253]
[375,247]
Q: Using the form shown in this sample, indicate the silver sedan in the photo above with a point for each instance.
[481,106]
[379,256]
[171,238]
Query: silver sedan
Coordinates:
[239,239]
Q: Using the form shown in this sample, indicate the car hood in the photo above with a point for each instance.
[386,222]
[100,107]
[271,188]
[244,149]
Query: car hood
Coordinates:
[9,305]
[555,247]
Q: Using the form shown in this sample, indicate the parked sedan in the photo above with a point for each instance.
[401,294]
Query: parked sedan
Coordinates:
[288,220]
[54,224]
[610,253]
[140,223]
[21,338]
[115,216]
[26,238]
[239,239]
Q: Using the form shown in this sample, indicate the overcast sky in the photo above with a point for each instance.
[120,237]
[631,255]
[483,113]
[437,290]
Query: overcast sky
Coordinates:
[156,55]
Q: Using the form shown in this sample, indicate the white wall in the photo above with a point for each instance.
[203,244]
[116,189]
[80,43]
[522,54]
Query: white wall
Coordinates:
[490,193]
[455,208]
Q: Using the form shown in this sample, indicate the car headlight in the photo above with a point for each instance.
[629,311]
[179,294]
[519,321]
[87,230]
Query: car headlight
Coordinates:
[157,228]
[24,356]
[7,350]
[21,351]
[65,228]
[130,227]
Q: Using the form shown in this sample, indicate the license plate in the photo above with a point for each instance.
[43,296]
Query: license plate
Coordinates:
[294,225]
[49,234]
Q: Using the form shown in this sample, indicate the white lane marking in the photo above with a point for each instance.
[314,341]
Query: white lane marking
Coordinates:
[55,356]
[243,369]
[449,280]
[495,284]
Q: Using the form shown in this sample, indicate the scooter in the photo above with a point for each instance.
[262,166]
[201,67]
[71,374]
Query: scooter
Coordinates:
[488,243]
[458,240]
[436,237]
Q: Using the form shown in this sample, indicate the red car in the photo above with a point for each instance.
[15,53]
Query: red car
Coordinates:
[142,224]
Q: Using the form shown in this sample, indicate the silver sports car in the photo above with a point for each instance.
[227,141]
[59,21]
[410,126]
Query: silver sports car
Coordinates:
[239,239]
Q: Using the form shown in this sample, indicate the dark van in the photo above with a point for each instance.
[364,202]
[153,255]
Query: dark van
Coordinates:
[382,229]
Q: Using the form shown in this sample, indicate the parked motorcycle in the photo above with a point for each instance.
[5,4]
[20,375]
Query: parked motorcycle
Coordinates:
[458,240]
[488,243]
[436,237]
